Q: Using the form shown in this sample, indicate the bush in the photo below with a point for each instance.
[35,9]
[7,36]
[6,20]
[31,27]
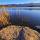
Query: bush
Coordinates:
[4,18]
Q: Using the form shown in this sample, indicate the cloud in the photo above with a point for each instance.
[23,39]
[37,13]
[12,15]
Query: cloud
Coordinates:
[36,1]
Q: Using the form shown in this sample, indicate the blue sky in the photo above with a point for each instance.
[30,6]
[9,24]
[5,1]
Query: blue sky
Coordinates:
[18,1]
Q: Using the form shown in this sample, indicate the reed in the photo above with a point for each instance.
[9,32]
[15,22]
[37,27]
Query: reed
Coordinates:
[4,17]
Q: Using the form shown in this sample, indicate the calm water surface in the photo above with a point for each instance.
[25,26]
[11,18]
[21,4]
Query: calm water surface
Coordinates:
[26,14]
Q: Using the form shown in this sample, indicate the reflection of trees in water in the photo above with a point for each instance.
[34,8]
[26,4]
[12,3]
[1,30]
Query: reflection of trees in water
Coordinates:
[21,35]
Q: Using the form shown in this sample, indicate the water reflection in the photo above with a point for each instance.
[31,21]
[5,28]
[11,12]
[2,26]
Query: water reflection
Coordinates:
[26,14]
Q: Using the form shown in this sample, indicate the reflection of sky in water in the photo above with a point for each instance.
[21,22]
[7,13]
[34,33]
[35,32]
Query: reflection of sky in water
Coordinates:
[24,11]
[28,15]
[21,11]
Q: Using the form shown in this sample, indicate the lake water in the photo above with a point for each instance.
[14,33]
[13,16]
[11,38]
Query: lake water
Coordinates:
[26,14]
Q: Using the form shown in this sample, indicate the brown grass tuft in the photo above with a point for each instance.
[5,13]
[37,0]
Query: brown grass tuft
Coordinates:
[4,18]
[13,33]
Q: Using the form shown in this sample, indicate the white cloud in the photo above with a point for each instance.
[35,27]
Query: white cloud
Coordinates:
[36,1]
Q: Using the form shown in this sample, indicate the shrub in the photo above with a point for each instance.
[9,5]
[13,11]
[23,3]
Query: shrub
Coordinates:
[4,18]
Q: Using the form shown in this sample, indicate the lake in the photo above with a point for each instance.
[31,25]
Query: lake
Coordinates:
[28,15]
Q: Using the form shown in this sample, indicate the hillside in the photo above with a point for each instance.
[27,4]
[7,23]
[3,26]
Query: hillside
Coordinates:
[22,5]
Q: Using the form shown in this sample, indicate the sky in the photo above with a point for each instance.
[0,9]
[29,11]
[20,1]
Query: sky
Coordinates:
[18,1]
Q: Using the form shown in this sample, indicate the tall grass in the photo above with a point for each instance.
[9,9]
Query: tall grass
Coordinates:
[4,18]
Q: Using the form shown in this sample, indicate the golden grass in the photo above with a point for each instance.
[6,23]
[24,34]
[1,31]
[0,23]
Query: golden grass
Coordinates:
[31,34]
[12,32]
[4,18]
